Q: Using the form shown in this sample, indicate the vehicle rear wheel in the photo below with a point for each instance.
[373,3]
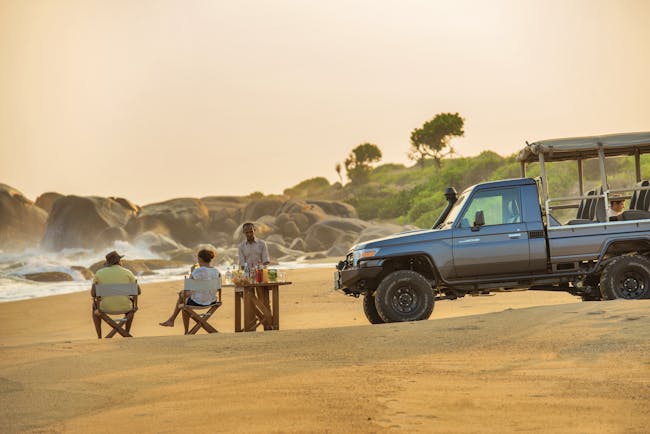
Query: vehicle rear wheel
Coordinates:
[404,295]
[370,309]
[626,277]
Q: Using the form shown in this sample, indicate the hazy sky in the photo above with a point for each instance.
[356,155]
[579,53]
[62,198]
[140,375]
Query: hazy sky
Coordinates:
[152,100]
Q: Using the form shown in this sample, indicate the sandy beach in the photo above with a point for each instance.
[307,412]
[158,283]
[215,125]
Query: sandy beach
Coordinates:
[525,361]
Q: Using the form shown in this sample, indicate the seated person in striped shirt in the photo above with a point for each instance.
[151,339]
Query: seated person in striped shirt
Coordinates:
[252,251]
[201,271]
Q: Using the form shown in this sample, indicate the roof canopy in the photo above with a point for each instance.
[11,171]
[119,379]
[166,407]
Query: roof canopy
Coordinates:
[586,147]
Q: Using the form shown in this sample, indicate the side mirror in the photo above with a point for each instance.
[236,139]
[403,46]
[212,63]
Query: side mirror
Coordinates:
[479,220]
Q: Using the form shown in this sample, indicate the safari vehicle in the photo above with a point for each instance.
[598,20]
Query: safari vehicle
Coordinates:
[501,236]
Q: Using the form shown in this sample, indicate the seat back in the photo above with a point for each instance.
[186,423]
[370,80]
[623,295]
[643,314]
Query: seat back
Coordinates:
[639,196]
[585,207]
[109,289]
[202,285]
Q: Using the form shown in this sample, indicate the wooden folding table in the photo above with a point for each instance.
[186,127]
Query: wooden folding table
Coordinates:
[260,305]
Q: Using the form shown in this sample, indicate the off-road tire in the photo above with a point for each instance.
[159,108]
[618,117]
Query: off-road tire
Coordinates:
[404,295]
[370,309]
[626,277]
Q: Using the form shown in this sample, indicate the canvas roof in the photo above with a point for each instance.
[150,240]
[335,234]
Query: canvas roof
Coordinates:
[586,147]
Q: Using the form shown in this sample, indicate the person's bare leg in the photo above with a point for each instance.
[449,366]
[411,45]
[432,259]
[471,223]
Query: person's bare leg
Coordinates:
[98,322]
[172,318]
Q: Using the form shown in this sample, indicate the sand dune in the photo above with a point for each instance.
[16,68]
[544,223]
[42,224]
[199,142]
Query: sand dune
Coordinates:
[527,361]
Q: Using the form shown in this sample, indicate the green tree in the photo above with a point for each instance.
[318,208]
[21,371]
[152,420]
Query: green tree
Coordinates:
[358,163]
[431,140]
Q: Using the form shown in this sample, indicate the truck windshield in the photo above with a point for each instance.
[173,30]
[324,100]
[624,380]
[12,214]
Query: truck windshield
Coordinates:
[454,211]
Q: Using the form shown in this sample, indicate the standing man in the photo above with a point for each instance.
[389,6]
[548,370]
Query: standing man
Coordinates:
[252,251]
[113,272]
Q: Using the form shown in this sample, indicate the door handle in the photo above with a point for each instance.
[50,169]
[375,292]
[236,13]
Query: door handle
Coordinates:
[469,240]
[513,236]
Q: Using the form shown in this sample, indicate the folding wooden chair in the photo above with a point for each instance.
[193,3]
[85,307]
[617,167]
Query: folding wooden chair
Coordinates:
[190,311]
[120,325]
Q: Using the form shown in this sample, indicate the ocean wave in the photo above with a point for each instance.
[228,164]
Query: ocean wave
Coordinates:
[14,266]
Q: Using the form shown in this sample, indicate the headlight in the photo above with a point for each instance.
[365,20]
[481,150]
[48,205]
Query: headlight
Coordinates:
[363,254]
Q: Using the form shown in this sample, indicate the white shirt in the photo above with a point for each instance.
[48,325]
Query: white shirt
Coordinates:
[253,253]
[612,213]
[204,273]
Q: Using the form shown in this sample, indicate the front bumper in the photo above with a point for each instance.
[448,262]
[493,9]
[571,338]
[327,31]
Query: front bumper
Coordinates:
[356,281]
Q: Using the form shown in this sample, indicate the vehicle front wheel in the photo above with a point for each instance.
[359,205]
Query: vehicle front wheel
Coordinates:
[404,295]
[626,277]
[370,309]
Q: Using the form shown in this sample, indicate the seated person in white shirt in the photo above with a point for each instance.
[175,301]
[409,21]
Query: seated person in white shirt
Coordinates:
[201,271]
[616,207]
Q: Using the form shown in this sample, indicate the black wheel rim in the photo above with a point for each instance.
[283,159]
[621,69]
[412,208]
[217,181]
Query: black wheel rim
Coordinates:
[632,285]
[404,299]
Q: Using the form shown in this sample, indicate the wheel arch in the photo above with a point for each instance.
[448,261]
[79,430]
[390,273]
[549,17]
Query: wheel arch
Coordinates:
[417,261]
[618,247]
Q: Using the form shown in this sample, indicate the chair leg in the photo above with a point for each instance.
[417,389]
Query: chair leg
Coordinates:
[97,321]
[202,321]
[117,328]
[129,321]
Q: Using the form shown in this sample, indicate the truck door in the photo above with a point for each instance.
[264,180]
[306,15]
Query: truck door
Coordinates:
[500,246]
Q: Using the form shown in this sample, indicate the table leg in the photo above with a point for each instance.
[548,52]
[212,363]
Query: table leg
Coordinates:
[276,307]
[249,313]
[238,299]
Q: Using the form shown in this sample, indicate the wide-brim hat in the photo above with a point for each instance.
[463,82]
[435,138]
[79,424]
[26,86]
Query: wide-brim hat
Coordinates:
[616,198]
[113,258]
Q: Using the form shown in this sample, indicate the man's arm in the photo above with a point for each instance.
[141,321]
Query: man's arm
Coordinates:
[92,291]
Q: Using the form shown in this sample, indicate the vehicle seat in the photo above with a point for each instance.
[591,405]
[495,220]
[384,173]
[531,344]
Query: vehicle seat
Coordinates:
[512,212]
[586,210]
[638,200]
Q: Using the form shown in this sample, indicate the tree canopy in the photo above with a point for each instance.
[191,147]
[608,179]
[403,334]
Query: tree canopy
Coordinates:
[358,163]
[431,140]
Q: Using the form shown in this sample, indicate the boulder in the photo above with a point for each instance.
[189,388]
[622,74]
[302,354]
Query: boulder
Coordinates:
[278,250]
[275,238]
[335,208]
[379,231]
[76,221]
[325,234]
[184,220]
[86,273]
[108,236]
[261,207]
[155,242]
[227,256]
[46,200]
[49,276]
[290,230]
[301,220]
[127,204]
[298,244]
[298,206]
[338,250]
[225,212]
[22,223]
